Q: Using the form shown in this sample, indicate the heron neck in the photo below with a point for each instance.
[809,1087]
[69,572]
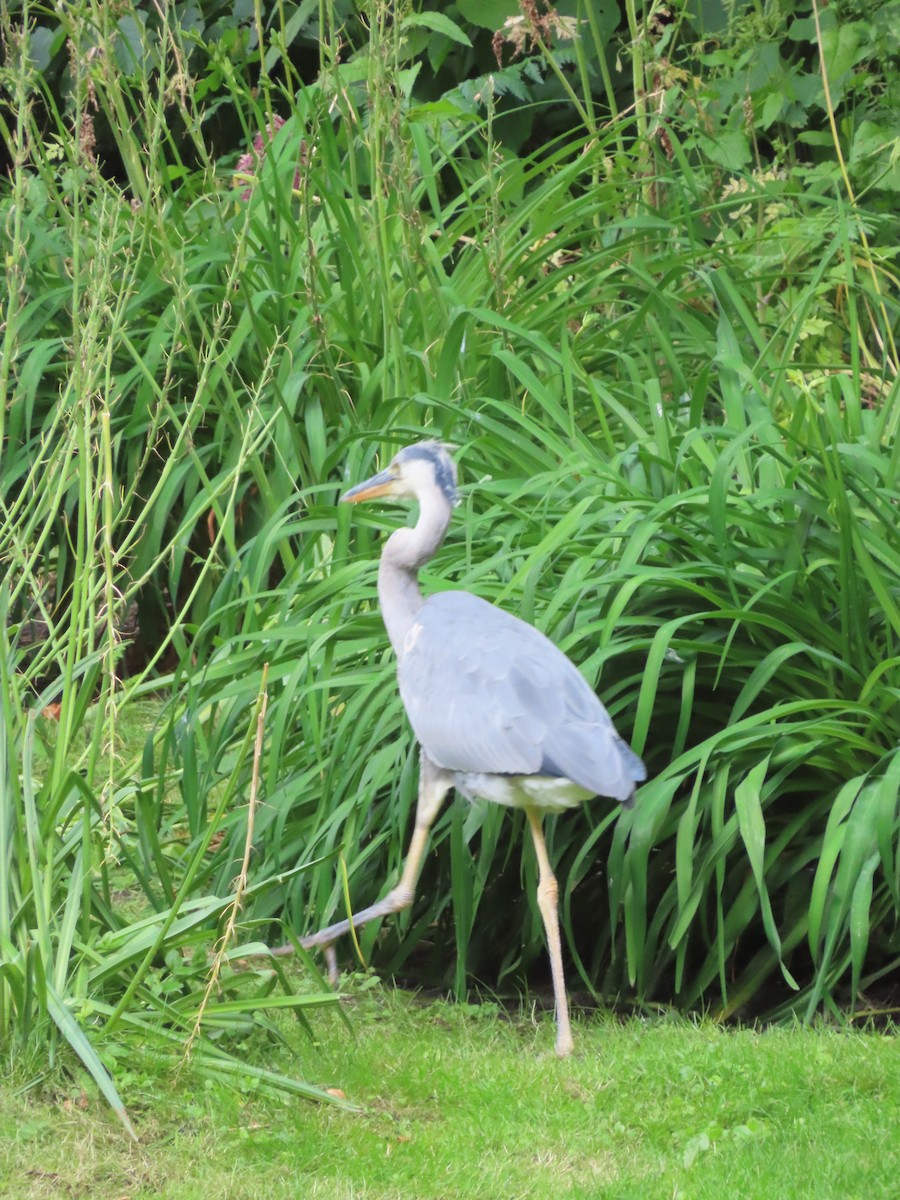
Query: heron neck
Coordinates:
[405,552]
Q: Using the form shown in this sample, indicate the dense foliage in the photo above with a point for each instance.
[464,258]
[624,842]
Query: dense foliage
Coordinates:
[664,342]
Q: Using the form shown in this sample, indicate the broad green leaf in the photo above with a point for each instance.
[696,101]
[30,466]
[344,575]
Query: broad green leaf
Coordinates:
[753,831]
[487,14]
[439,23]
[860,918]
[79,1043]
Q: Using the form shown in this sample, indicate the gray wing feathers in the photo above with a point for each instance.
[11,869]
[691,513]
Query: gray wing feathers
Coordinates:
[486,692]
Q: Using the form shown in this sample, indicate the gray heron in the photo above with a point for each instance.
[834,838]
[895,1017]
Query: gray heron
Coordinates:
[498,711]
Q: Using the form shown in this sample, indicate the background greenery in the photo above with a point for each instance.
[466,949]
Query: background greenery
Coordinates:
[640,268]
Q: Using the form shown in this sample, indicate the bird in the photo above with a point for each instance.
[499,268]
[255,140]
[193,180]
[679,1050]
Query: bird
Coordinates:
[499,712]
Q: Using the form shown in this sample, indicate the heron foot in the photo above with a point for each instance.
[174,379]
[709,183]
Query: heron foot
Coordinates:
[398,898]
[564,1043]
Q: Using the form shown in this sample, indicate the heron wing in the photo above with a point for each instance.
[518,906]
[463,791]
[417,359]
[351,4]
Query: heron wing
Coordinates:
[488,693]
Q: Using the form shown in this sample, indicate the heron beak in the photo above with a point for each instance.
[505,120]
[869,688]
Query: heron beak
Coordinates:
[381,484]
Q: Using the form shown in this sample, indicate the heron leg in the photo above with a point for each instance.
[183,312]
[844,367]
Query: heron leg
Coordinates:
[434,784]
[547,898]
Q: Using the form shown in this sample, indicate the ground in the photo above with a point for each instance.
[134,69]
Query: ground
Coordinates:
[464,1101]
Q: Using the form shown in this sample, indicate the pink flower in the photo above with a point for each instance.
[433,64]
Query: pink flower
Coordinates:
[248,163]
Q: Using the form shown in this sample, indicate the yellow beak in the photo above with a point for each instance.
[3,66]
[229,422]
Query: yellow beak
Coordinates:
[381,484]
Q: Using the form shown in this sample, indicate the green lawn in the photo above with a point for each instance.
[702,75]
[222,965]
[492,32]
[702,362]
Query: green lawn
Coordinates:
[462,1101]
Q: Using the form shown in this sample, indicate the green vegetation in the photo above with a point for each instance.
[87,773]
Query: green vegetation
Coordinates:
[459,1101]
[244,259]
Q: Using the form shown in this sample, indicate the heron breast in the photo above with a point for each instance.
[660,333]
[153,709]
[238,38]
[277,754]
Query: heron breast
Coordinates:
[521,791]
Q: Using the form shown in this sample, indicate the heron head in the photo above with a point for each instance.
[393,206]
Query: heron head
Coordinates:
[414,472]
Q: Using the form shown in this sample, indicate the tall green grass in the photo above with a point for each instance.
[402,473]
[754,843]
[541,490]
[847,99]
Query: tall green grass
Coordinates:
[676,406]
[112,466]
